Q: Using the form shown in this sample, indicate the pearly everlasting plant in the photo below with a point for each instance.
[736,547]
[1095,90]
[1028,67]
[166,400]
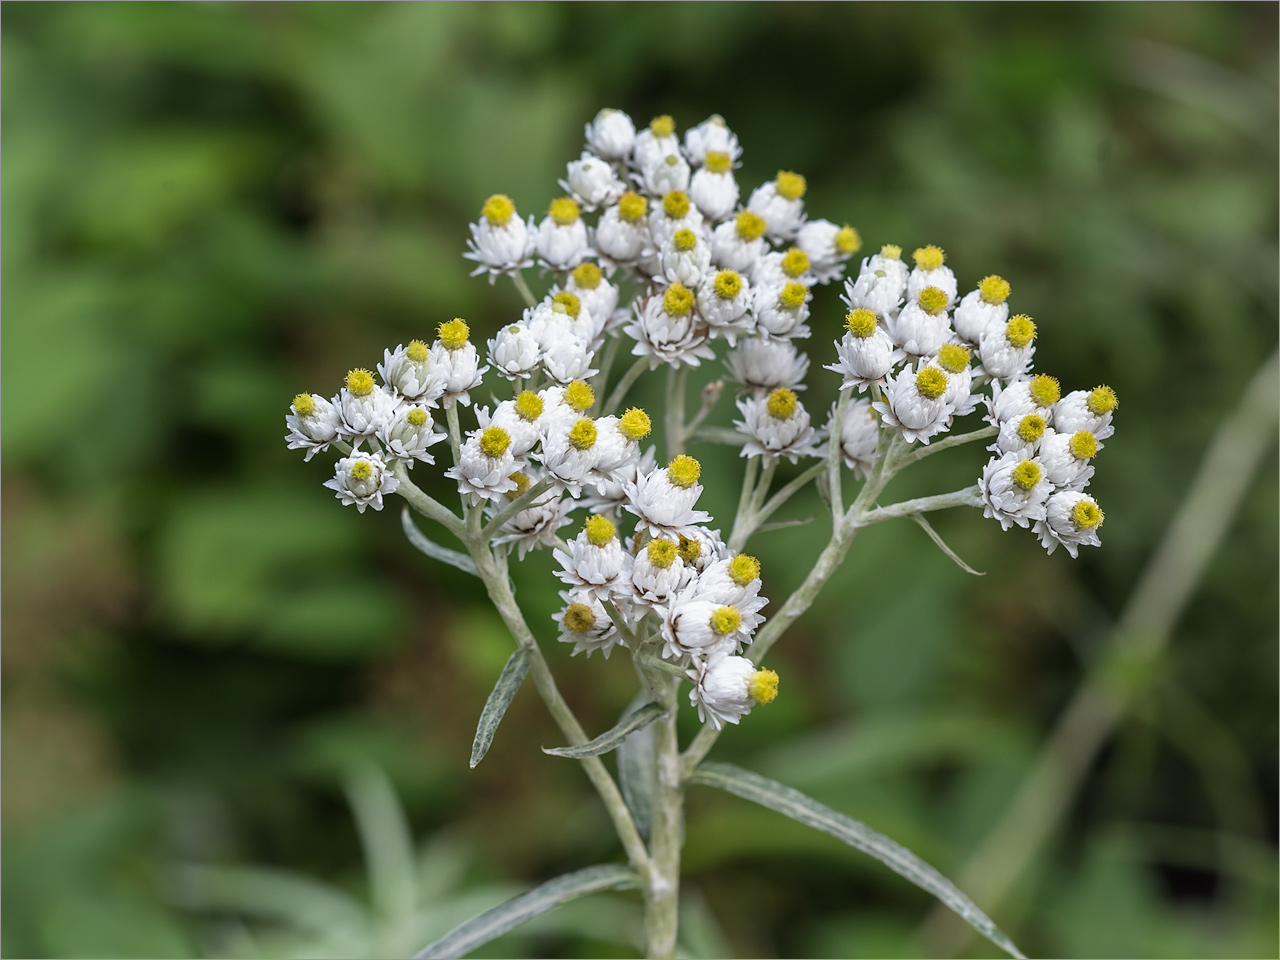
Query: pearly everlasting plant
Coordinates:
[654,254]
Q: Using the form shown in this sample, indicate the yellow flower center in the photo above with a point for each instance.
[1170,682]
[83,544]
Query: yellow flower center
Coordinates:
[1044,390]
[1084,445]
[564,211]
[689,549]
[498,210]
[932,300]
[361,470]
[750,226]
[662,553]
[587,276]
[417,417]
[953,358]
[725,620]
[891,251]
[635,424]
[578,618]
[583,434]
[676,204]
[678,300]
[1027,474]
[360,382]
[1031,428]
[782,404]
[1102,400]
[744,569]
[579,396]
[454,333]
[523,483]
[993,290]
[929,258]
[632,207]
[861,323]
[684,240]
[718,161]
[569,301]
[795,263]
[683,471]
[793,296]
[728,284]
[1020,331]
[304,405]
[663,126]
[790,186]
[848,241]
[931,383]
[494,442]
[417,351]
[1087,515]
[528,406]
[763,686]
[599,530]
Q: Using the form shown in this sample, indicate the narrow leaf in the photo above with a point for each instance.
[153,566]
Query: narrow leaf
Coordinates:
[610,739]
[933,535]
[806,810]
[507,916]
[434,550]
[636,772]
[503,692]
[782,524]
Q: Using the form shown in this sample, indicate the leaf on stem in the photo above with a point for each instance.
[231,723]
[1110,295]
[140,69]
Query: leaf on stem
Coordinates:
[505,917]
[781,524]
[933,535]
[806,810]
[611,739]
[504,692]
[434,550]
[637,773]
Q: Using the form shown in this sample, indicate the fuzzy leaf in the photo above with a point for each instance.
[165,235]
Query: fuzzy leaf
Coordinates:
[507,916]
[806,810]
[610,739]
[636,773]
[503,692]
[434,550]
[936,538]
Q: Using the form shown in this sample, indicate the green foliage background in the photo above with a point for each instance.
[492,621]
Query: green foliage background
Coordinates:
[210,207]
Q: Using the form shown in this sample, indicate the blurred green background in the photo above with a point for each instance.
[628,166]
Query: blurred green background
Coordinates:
[206,662]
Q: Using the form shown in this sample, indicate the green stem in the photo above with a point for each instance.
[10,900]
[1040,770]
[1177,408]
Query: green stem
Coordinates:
[742,519]
[628,378]
[674,420]
[662,894]
[946,443]
[968,497]
[512,507]
[835,454]
[787,492]
[606,367]
[518,279]
[427,505]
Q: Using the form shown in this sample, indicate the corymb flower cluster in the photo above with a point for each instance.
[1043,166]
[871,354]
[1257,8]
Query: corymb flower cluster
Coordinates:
[678,269]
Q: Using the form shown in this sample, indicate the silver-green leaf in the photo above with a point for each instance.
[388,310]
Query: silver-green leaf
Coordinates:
[806,810]
[504,691]
[636,771]
[434,550]
[505,917]
[610,739]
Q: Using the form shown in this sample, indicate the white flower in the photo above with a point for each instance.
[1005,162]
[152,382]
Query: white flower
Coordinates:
[596,563]
[562,239]
[866,353]
[568,359]
[763,365]
[675,212]
[930,272]
[880,284]
[737,244]
[569,453]
[563,406]
[776,427]
[859,436]
[664,499]
[781,309]
[780,267]
[410,372]
[500,241]
[723,300]
[586,624]
[700,548]
[1066,458]
[684,258]
[618,440]
[1086,410]
[714,192]
[734,581]
[656,141]
[916,403]
[521,418]
[726,687]
[596,294]
[658,573]
[456,362]
[611,134]
[622,234]
[1071,519]
[1014,489]
[669,173]
[1022,436]
[513,351]
[485,465]
[1039,394]
[592,181]
[610,493]
[1006,350]
[711,135]
[781,203]
[698,628]
[982,308]
[313,423]
[923,325]
[365,407]
[667,329]
[409,433]
[362,479]
[828,247]
[537,525]
[953,359]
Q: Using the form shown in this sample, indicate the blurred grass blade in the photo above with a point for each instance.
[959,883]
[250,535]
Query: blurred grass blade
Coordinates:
[636,771]
[503,692]
[507,916]
[386,840]
[933,535]
[434,550]
[806,810]
[267,893]
[611,739]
